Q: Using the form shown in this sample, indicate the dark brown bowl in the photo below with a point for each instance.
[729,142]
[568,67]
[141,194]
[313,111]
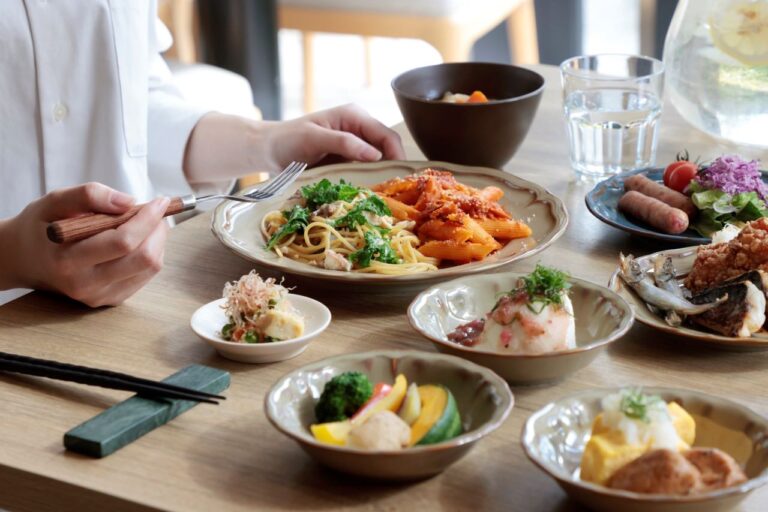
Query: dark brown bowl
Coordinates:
[486,134]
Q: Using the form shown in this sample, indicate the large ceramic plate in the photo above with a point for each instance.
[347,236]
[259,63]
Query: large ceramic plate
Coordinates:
[237,224]
[603,201]
[683,260]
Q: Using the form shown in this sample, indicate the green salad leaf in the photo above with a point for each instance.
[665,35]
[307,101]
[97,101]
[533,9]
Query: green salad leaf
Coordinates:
[355,217]
[376,248]
[718,208]
[324,192]
[296,220]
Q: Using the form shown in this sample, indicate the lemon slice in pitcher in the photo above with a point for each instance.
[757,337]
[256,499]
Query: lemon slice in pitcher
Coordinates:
[740,29]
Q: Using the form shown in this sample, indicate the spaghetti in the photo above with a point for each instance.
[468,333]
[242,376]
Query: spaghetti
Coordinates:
[345,233]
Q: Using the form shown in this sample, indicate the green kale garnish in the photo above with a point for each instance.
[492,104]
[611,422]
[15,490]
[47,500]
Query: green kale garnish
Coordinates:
[355,217]
[636,405]
[376,248]
[544,286]
[297,219]
[324,192]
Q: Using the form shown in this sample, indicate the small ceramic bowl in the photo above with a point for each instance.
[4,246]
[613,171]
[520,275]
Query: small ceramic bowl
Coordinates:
[483,399]
[485,134]
[601,317]
[208,320]
[554,438]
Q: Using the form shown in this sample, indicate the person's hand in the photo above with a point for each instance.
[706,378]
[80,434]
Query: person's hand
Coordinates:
[346,133]
[102,270]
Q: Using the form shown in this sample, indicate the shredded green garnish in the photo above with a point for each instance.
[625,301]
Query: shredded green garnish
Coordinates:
[376,248]
[636,405]
[544,286]
[296,220]
[355,217]
[324,192]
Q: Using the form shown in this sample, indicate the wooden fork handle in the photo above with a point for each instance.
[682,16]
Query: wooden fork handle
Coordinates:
[79,228]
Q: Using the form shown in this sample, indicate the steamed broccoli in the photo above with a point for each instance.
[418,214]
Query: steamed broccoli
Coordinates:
[342,396]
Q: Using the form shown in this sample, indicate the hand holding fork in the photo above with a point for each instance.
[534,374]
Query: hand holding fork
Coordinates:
[79,228]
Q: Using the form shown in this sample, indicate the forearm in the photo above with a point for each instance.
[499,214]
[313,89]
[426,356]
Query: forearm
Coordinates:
[223,147]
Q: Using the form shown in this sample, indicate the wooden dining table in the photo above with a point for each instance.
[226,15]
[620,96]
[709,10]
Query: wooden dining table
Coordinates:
[229,457]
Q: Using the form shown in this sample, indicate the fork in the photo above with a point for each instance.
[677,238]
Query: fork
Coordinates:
[79,228]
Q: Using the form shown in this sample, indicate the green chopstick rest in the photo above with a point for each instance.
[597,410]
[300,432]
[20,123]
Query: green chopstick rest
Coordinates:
[127,421]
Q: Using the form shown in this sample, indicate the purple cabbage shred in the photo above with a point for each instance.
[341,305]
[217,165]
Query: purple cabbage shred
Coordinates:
[733,175]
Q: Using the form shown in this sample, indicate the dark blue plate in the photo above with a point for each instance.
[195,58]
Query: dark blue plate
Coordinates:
[602,202]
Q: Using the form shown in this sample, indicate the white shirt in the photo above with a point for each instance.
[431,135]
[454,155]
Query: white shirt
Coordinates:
[86,96]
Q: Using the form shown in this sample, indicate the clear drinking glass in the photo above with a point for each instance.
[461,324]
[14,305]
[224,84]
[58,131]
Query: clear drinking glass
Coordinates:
[612,107]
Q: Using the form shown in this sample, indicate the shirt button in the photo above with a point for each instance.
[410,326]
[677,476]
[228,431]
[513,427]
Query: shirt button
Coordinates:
[60,112]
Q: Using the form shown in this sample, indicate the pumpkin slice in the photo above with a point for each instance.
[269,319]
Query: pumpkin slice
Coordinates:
[439,419]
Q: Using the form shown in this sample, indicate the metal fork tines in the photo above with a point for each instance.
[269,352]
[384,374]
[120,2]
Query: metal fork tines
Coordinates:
[270,189]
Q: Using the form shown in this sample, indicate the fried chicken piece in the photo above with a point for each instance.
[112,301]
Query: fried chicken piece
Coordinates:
[716,263]
[658,472]
[717,468]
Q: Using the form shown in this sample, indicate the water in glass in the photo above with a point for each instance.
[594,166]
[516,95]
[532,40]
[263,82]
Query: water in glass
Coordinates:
[611,130]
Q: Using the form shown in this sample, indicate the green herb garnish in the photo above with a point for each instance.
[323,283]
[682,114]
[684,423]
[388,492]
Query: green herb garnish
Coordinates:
[296,220]
[324,192]
[544,286]
[376,248]
[636,405]
[355,217]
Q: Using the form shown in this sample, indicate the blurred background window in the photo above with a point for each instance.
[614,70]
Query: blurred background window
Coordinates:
[348,60]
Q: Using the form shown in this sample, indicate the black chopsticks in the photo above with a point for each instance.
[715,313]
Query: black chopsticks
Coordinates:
[103,378]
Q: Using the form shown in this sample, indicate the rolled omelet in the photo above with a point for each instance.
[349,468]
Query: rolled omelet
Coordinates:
[608,448]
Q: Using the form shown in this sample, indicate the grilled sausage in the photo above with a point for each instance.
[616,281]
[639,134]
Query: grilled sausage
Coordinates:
[650,188]
[656,213]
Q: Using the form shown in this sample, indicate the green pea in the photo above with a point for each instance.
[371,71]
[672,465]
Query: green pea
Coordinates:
[226,331]
[251,337]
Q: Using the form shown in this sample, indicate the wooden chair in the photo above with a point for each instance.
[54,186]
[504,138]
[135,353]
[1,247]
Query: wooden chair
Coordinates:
[451,26]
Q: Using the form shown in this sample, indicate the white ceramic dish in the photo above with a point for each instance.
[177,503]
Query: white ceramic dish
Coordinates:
[208,320]
[554,437]
[602,317]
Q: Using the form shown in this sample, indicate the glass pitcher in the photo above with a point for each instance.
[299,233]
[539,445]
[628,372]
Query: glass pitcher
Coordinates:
[716,59]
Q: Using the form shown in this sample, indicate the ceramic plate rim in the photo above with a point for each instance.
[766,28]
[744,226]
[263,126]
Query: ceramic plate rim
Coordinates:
[615,335]
[710,338]
[746,487]
[493,424]
[301,301]
[557,210]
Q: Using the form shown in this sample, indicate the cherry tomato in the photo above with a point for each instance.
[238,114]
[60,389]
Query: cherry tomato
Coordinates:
[681,176]
[671,167]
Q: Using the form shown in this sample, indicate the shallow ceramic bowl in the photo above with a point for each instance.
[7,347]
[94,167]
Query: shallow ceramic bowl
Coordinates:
[486,134]
[554,438]
[208,320]
[683,260]
[484,401]
[601,316]
[237,225]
